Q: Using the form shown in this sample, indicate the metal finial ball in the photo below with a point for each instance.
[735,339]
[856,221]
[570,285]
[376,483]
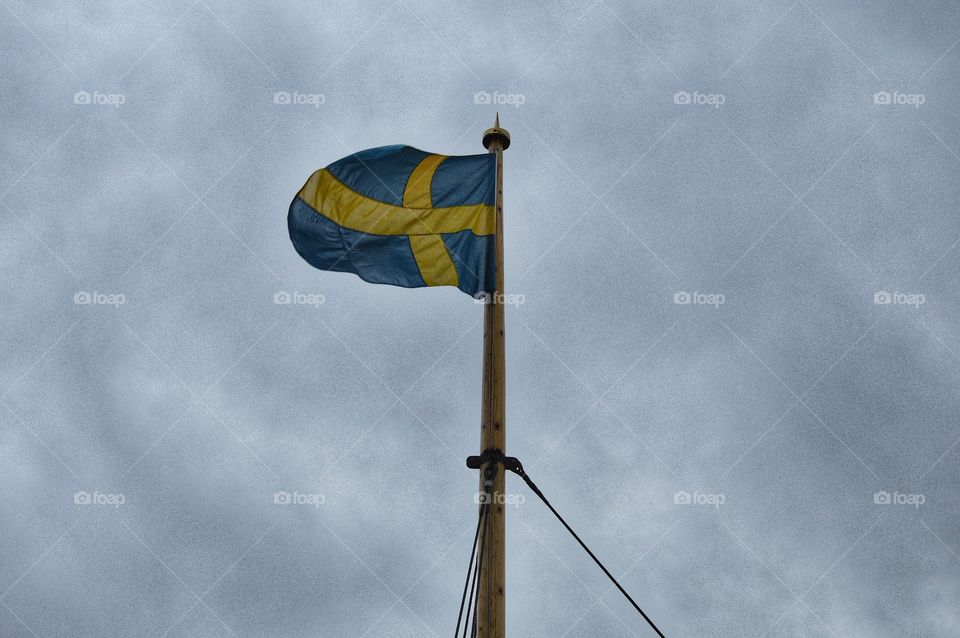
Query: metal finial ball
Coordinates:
[496,133]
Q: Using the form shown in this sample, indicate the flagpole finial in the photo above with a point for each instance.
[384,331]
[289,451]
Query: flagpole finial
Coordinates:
[496,134]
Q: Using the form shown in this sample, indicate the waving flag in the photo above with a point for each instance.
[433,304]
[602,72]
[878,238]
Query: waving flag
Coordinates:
[398,215]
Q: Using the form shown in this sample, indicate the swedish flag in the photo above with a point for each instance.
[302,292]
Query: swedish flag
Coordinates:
[398,215]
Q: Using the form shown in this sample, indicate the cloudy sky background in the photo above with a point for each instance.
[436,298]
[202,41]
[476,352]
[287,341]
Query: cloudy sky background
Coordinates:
[781,412]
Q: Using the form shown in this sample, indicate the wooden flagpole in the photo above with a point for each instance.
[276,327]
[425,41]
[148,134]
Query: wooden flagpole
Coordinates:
[491,600]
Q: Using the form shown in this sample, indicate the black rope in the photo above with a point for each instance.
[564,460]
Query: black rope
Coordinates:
[488,475]
[514,466]
[476,597]
[474,602]
[466,582]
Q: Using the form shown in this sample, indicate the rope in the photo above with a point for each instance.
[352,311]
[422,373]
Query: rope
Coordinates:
[490,458]
[489,473]
[475,598]
[466,583]
[518,470]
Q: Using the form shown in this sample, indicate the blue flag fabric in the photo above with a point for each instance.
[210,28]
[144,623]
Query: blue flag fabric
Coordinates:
[398,215]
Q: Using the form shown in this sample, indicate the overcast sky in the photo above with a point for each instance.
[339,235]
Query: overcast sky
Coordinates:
[732,360]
